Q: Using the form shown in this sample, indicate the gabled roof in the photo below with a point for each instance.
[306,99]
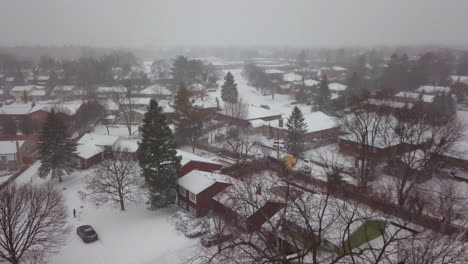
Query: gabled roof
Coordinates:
[116,89]
[187,157]
[27,88]
[155,89]
[197,181]
[433,89]
[92,144]
[337,87]
[415,96]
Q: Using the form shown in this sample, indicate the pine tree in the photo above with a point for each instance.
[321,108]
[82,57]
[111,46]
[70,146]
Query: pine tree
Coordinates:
[157,156]
[229,91]
[297,128]
[322,100]
[57,150]
[187,119]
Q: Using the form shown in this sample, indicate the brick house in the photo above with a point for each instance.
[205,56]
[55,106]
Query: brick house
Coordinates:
[319,126]
[378,152]
[254,113]
[196,189]
[192,162]
[91,148]
[234,203]
[15,153]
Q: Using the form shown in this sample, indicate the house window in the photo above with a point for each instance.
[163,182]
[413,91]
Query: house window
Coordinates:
[182,191]
[192,197]
[182,204]
[193,210]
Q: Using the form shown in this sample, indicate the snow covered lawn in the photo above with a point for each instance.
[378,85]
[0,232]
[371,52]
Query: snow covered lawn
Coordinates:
[136,236]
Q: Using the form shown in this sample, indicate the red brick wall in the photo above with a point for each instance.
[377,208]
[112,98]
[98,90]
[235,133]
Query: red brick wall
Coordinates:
[204,199]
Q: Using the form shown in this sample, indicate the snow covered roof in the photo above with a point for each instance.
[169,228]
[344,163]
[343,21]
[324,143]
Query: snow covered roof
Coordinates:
[98,140]
[337,87]
[463,79]
[310,82]
[92,144]
[236,195]
[425,97]
[316,121]
[155,89]
[338,68]
[64,88]
[43,78]
[273,71]
[197,181]
[37,93]
[9,147]
[130,145]
[433,89]
[389,103]
[26,88]
[187,157]
[15,109]
[116,89]
[137,101]
[256,112]
[292,77]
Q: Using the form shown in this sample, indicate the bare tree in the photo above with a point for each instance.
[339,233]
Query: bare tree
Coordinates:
[419,146]
[115,180]
[123,98]
[363,126]
[239,110]
[33,222]
[244,147]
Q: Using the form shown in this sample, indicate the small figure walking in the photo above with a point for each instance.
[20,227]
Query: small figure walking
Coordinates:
[74,213]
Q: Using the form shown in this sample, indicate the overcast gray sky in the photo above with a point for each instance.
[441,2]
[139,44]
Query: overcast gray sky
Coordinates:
[138,23]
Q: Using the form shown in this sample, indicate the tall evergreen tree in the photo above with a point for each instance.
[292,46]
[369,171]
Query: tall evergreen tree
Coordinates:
[57,150]
[187,119]
[322,100]
[297,128]
[157,156]
[229,91]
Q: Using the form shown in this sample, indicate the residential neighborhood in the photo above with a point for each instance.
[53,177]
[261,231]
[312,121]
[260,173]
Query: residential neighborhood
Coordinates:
[237,135]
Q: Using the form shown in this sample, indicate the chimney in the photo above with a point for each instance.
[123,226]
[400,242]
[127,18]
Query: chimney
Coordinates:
[280,122]
[259,190]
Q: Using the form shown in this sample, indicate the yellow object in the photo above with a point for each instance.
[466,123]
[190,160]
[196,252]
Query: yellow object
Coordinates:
[289,161]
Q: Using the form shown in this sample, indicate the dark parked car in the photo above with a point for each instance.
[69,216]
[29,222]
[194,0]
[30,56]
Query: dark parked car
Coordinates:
[209,241]
[87,233]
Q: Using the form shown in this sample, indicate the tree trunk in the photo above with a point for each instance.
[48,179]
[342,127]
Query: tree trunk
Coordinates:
[60,178]
[122,205]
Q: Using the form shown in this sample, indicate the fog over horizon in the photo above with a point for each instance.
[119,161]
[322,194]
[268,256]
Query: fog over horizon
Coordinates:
[248,23]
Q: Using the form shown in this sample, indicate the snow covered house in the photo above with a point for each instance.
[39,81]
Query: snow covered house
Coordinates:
[196,189]
[16,151]
[155,91]
[250,203]
[26,93]
[64,92]
[106,92]
[432,89]
[319,126]
[10,155]
[192,162]
[337,88]
[411,97]
[134,116]
[91,148]
[254,113]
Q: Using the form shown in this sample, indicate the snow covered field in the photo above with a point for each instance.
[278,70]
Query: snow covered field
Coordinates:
[138,235]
